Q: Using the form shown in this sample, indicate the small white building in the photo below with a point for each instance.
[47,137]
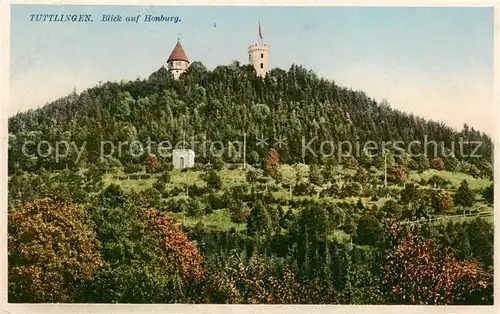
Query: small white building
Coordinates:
[183,158]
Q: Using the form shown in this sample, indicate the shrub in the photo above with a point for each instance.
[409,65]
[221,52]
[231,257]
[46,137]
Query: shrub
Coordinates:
[416,271]
[352,189]
[258,222]
[159,185]
[217,163]
[315,176]
[361,176]
[152,164]
[212,179]
[369,230]
[438,181]
[50,251]
[194,208]
[166,176]
[271,164]
[239,212]
[442,201]
[398,174]
[464,195]
[469,169]
[132,168]
[391,209]
[252,175]
[437,163]
[303,189]
[332,191]
[488,193]
[350,162]
[253,158]
[216,201]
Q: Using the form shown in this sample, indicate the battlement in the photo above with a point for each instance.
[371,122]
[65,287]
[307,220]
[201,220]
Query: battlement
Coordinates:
[258,47]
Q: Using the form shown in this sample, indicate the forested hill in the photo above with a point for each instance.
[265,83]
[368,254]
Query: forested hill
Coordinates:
[295,104]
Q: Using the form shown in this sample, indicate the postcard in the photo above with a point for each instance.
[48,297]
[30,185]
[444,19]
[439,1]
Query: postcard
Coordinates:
[229,158]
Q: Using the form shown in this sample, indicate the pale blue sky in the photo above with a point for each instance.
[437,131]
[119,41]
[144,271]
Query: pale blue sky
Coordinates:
[434,62]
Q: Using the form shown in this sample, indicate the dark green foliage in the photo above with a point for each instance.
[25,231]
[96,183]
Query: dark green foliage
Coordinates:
[139,282]
[212,179]
[252,175]
[217,162]
[438,181]
[391,209]
[315,176]
[258,222]
[328,170]
[239,212]
[148,197]
[369,230]
[410,194]
[214,99]
[159,185]
[132,168]
[293,249]
[165,177]
[464,195]
[488,193]
[351,189]
[253,158]
[422,163]
[195,208]
[303,189]
[451,163]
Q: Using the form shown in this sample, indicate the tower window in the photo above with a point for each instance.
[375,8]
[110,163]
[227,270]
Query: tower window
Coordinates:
[249,57]
[262,55]
[262,65]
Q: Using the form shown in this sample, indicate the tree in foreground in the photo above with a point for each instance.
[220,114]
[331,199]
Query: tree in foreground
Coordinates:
[50,252]
[415,271]
[148,259]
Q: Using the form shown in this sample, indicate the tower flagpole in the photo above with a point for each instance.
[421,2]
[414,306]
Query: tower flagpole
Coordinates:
[260,34]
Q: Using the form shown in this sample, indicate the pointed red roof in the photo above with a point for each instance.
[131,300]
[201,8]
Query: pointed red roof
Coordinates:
[178,53]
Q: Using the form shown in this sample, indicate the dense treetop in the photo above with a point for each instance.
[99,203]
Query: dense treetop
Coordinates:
[220,105]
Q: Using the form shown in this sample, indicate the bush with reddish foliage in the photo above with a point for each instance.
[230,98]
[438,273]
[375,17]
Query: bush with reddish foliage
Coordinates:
[399,174]
[437,163]
[272,163]
[153,165]
[172,242]
[50,250]
[415,271]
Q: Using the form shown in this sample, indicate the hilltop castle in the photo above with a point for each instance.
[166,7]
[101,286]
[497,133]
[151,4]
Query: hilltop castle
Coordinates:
[178,61]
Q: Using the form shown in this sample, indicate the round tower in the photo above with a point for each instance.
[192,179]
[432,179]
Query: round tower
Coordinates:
[257,56]
[178,61]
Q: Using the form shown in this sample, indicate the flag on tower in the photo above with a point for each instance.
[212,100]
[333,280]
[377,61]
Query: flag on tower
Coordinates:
[260,32]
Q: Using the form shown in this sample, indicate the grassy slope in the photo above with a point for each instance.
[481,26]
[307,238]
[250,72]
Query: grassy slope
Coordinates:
[219,219]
